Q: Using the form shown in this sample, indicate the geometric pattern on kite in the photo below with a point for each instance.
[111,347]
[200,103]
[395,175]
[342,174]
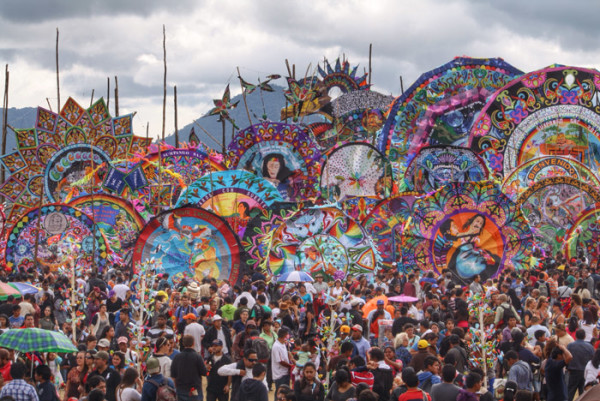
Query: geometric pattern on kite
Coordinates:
[60,148]
[548,112]
[321,240]
[66,235]
[439,108]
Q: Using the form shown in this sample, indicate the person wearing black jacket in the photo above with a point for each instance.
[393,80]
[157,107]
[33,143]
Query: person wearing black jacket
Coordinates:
[239,372]
[398,325]
[217,332]
[254,389]
[187,370]
[112,377]
[383,378]
[217,387]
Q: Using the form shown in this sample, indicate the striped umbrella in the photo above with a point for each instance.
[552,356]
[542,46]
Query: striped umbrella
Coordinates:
[33,339]
[25,288]
[295,276]
[6,290]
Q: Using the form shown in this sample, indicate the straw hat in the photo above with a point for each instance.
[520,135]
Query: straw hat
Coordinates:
[193,290]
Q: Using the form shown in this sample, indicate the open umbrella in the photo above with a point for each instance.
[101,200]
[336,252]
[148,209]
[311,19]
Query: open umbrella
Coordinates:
[34,339]
[25,288]
[6,290]
[403,298]
[372,304]
[295,276]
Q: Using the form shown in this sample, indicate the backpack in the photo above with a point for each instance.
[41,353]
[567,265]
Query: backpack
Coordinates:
[164,391]
[257,312]
[543,288]
[426,385]
[261,347]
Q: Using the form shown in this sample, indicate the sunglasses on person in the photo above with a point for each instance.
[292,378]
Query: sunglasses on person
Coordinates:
[253,360]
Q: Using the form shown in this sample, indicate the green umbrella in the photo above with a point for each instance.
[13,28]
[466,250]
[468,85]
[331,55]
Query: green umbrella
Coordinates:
[34,339]
[6,290]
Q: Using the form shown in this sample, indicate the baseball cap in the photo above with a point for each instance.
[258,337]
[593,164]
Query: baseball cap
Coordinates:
[122,339]
[152,365]
[356,301]
[216,317]
[345,329]
[101,355]
[217,342]
[422,344]
[190,316]
[251,322]
[104,343]
[380,302]
[357,327]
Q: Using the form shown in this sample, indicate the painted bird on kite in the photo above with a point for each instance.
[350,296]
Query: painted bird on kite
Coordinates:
[222,106]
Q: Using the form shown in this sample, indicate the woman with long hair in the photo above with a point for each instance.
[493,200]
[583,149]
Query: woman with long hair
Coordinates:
[529,311]
[307,327]
[118,362]
[589,325]
[592,369]
[341,389]
[541,310]
[162,352]
[109,333]
[75,376]
[576,306]
[130,387]
[47,321]
[308,387]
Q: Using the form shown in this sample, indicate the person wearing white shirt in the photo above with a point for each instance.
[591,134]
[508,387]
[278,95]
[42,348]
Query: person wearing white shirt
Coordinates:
[194,329]
[280,360]
[240,371]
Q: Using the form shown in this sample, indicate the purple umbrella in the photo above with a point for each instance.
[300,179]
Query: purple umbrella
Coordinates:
[403,298]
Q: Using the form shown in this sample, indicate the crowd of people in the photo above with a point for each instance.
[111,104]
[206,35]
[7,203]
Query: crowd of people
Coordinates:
[338,341]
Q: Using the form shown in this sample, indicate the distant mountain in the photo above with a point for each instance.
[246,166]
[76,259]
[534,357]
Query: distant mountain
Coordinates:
[17,118]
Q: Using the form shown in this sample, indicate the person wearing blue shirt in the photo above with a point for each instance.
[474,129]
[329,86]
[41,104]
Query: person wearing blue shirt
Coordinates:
[362,345]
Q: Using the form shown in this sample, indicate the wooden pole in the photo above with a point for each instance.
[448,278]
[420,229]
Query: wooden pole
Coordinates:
[401,85]
[49,105]
[244,96]
[92,98]
[4,118]
[176,128]
[39,222]
[57,74]
[370,55]
[94,266]
[164,81]
[147,129]
[223,143]
[73,302]
[208,133]
[107,93]
[116,96]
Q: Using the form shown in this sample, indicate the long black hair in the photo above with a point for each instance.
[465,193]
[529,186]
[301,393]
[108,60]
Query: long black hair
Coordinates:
[283,172]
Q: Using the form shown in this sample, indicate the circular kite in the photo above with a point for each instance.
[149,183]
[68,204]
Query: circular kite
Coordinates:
[530,172]
[66,235]
[583,237]
[549,112]
[235,195]
[283,154]
[436,166]
[386,223]
[469,228]
[356,169]
[440,107]
[55,156]
[552,205]
[116,218]
[321,240]
[192,243]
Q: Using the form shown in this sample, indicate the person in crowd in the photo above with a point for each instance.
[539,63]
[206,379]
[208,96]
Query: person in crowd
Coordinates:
[187,370]
[154,381]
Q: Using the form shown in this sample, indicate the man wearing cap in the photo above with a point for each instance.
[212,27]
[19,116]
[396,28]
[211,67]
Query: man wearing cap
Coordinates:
[217,387]
[356,312]
[103,345]
[113,379]
[217,332]
[154,380]
[361,344]
[130,355]
[418,360]
[380,308]
[194,329]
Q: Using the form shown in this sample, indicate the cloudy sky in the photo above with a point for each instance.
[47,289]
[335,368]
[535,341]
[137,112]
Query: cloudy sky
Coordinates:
[207,40]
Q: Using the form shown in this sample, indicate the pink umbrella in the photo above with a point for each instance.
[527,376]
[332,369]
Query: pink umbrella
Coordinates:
[403,298]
